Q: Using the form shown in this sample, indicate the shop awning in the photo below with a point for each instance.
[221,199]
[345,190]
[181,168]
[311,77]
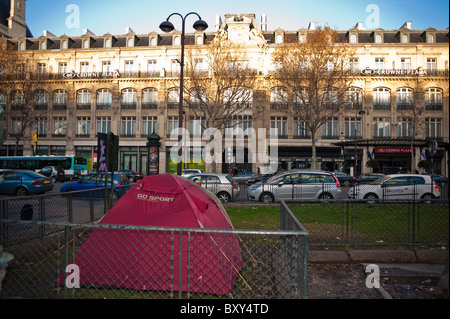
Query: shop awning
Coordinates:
[390,142]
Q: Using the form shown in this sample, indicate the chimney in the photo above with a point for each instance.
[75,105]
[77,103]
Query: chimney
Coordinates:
[218,22]
[359,26]
[407,25]
[48,34]
[88,32]
[263,22]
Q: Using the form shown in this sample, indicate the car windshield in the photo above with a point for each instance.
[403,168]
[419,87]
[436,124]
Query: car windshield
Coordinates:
[379,180]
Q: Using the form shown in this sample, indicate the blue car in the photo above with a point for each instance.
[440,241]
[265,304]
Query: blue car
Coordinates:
[96,182]
[23,183]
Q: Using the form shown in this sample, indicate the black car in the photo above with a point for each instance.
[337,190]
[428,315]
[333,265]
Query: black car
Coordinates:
[440,180]
[132,176]
[260,178]
[367,178]
[345,179]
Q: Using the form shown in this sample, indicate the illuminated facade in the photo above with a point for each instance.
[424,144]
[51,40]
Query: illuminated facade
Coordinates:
[124,84]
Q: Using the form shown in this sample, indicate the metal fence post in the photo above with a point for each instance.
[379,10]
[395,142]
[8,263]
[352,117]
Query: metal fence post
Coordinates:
[180,263]
[66,259]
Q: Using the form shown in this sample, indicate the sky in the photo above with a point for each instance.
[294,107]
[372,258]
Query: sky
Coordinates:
[71,17]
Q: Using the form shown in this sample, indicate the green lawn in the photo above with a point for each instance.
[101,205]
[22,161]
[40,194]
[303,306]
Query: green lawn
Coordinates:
[359,223]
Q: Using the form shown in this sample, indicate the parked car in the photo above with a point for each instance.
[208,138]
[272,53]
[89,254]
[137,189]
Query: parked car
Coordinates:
[298,184]
[56,173]
[345,179]
[367,178]
[222,185]
[132,176]
[261,178]
[440,180]
[189,171]
[397,186]
[97,181]
[23,182]
[243,177]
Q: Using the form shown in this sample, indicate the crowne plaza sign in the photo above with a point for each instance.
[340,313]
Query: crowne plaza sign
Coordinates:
[393,72]
[92,75]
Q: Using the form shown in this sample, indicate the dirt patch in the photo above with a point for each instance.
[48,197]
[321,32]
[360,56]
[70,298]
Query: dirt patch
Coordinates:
[338,281]
[348,281]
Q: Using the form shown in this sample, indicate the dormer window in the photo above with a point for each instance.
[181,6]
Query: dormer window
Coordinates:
[176,41]
[130,42]
[378,38]
[22,46]
[107,43]
[353,38]
[199,40]
[86,44]
[404,38]
[64,44]
[43,45]
[279,38]
[302,38]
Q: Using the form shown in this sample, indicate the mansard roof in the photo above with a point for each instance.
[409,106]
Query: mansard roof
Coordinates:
[164,39]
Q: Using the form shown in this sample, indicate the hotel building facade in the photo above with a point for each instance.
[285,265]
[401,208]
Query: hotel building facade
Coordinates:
[125,84]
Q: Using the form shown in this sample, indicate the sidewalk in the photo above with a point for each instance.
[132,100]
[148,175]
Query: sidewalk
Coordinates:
[379,256]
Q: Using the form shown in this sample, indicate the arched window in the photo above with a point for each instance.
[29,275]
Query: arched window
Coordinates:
[173,98]
[40,100]
[129,98]
[104,99]
[381,98]
[278,98]
[150,98]
[60,100]
[433,99]
[84,99]
[405,99]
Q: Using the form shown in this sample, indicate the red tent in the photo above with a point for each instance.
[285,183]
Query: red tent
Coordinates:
[149,260]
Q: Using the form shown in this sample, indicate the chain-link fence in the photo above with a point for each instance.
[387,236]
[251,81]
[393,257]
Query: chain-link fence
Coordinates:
[121,261]
[61,252]
[73,207]
[374,223]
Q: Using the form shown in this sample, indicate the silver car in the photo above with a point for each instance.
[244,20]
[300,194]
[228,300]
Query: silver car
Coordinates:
[299,184]
[223,186]
[397,186]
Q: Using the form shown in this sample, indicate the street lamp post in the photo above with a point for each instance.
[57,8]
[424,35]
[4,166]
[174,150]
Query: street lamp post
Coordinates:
[167,26]
[360,113]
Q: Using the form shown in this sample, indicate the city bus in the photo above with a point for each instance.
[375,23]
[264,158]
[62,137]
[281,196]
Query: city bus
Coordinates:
[73,166]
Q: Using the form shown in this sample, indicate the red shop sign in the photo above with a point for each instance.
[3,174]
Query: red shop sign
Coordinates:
[397,150]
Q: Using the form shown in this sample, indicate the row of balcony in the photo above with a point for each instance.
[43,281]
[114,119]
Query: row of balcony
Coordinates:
[164,73]
[377,106]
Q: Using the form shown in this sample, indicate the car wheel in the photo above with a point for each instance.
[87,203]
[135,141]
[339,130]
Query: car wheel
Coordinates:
[346,183]
[266,198]
[21,191]
[224,197]
[427,198]
[371,198]
[131,179]
[325,196]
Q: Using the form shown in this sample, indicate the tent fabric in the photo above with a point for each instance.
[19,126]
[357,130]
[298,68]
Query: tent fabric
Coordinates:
[150,259]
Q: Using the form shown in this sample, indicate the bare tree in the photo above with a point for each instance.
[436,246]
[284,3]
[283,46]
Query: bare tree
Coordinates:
[21,83]
[315,76]
[219,83]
